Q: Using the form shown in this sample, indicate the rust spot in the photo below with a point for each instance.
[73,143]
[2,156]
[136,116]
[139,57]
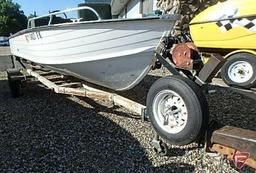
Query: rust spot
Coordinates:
[183,55]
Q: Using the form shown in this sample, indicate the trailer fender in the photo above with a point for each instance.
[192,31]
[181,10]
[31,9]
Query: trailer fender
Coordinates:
[240,51]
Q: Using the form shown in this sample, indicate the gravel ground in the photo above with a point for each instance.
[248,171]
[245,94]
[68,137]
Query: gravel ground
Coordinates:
[47,132]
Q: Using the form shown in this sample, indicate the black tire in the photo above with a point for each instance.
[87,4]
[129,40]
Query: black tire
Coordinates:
[240,57]
[15,88]
[196,104]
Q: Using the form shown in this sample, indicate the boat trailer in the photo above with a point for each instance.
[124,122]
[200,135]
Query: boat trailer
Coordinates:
[229,141]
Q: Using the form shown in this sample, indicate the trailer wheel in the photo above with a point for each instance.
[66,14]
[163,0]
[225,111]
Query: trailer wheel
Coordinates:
[15,88]
[14,81]
[240,70]
[178,110]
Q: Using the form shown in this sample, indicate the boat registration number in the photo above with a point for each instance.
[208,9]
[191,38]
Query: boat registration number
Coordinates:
[33,36]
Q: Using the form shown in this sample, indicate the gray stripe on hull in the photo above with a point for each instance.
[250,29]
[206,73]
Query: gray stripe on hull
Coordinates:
[121,73]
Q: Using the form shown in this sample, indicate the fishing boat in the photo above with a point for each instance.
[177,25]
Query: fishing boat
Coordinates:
[117,54]
[114,53]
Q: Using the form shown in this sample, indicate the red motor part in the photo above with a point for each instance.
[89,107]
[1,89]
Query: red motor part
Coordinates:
[185,56]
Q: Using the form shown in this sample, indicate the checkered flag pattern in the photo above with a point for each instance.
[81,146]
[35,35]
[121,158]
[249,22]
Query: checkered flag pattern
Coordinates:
[248,23]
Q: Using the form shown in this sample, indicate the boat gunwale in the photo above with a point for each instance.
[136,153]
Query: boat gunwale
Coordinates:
[219,20]
[173,17]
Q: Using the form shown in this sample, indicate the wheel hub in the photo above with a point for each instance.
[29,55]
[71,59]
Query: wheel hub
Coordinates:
[240,72]
[170,111]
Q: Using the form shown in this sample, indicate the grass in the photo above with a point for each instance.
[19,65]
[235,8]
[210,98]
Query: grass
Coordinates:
[3,75]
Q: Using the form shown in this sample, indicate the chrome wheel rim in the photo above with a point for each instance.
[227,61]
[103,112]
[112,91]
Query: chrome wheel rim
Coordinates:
[240,72]
[170,111]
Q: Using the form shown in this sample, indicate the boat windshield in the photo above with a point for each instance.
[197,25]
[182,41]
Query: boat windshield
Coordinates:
[66,16]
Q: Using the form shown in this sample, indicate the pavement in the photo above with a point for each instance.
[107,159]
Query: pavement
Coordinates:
[5,58]
[5,51]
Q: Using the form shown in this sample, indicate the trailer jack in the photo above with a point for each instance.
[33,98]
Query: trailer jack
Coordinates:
[159,146]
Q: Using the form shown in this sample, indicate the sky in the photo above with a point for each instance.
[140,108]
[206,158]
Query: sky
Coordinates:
[43,6]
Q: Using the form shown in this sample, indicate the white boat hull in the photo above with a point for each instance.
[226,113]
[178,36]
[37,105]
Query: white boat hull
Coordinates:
[115,54]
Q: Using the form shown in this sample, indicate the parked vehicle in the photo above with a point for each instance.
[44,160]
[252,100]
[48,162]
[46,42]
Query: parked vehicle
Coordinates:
[4,41]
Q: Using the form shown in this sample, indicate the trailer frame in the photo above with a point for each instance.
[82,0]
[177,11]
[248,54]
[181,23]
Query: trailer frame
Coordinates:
[203,78]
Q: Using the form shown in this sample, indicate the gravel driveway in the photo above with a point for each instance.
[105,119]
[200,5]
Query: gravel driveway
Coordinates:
[47,132]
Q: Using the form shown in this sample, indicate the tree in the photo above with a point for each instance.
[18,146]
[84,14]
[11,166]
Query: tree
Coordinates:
[12,19]
[187,8]
[31,16]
